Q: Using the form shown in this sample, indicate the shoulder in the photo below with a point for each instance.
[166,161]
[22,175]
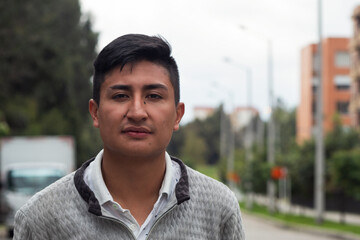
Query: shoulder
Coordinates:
[216,203]
[53,195]
[207,189]
[202,182]
[52,211]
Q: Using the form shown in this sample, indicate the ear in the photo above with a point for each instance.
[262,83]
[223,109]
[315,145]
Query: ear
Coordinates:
[93,109]
[180,110]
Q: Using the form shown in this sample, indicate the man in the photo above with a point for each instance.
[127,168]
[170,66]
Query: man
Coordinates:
[133,189]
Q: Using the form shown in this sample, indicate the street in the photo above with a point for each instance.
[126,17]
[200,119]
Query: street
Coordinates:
[257,228]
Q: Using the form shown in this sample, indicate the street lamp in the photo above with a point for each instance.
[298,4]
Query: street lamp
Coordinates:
[248,72]
[271,125]
[227,141]
[249,133]
[319,199]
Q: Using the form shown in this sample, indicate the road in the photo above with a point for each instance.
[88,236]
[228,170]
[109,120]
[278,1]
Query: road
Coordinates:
[257,228]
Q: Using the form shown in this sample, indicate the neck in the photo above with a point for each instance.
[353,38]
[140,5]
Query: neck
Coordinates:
[131,179]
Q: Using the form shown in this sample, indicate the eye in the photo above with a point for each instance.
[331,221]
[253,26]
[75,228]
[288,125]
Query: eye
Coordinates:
[120,96]
[154,96]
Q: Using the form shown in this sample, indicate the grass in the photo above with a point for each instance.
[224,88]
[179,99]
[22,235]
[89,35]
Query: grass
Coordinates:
[209,170]
[289,219]
[286,219]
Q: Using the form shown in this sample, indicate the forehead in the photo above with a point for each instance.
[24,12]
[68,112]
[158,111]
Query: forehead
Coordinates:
[141,72]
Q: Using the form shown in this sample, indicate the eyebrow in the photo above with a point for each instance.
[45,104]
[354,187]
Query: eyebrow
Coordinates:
[155,86]
[120,87]
[146,87]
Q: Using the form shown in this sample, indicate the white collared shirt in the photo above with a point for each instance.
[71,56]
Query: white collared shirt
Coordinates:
[94,179]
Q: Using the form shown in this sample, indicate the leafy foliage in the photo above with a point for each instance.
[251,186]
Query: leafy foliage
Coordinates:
[199,142]
[46,54]
[193,149]
[344,171]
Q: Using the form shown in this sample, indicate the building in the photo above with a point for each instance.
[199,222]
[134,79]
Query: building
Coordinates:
[355,70]
[202,113]
[336,86]
[241,117]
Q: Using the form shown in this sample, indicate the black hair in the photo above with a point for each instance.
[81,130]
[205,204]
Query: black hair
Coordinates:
[132,48]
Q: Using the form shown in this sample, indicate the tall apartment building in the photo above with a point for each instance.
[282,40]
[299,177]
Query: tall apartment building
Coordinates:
[335,81]
[355,70]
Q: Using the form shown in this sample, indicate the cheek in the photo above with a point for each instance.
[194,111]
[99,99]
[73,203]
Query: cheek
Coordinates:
[168,127]
[109,118]
[168,123]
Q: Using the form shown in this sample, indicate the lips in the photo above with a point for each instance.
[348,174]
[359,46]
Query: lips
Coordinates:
[137,132]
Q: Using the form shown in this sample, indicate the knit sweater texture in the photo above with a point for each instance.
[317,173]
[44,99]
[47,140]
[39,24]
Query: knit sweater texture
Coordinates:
[201,208]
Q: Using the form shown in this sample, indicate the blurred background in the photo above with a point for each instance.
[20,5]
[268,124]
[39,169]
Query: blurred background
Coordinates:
[250,79]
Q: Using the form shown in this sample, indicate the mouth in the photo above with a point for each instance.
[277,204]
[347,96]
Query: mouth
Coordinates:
[137,132]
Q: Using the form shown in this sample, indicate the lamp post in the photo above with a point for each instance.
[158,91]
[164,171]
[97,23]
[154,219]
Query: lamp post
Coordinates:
[271,125]
[319,155]
[227,141]
[248,73]
[249,132]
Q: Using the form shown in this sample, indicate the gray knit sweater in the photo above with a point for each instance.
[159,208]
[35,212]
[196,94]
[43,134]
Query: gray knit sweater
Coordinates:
[201,208]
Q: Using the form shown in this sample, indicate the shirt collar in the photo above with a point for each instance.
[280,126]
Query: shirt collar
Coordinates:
[168,178]
[101,191]
[99,187]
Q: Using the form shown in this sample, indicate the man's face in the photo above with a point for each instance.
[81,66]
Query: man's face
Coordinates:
[137,113]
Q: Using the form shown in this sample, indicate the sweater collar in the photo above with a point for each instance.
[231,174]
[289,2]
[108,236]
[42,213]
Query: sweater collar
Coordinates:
[181,189]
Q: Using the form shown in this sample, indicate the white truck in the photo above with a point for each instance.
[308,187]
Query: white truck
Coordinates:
[29,164]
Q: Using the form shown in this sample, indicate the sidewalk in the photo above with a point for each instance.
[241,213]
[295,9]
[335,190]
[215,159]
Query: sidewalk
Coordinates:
[285,207]
[317,233]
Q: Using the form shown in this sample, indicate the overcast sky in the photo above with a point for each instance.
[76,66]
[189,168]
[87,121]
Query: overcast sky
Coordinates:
[205,32]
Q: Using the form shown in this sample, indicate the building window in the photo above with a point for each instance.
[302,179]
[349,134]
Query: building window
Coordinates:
[314,90]
[316,63]
[313,108]
[342,107]
[315,83]
[342,59]
[342,82]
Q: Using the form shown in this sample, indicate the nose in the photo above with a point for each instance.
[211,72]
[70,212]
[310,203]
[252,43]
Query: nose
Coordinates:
[137,110]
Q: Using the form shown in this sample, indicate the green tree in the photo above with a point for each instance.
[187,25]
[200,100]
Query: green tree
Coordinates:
[46,54]
[256,171]
[177,141]
[344,177]
[285,127]
[340,138]
[342,149]
[344,169]
[302,171]
[4,128]
[193,152]
[209,131]
[339,146]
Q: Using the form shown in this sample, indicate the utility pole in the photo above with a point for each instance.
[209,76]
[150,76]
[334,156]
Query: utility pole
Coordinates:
[249,139]
[222,132]
[248,130]
[271,124]
[319,155]
[271,131]
[231,157]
